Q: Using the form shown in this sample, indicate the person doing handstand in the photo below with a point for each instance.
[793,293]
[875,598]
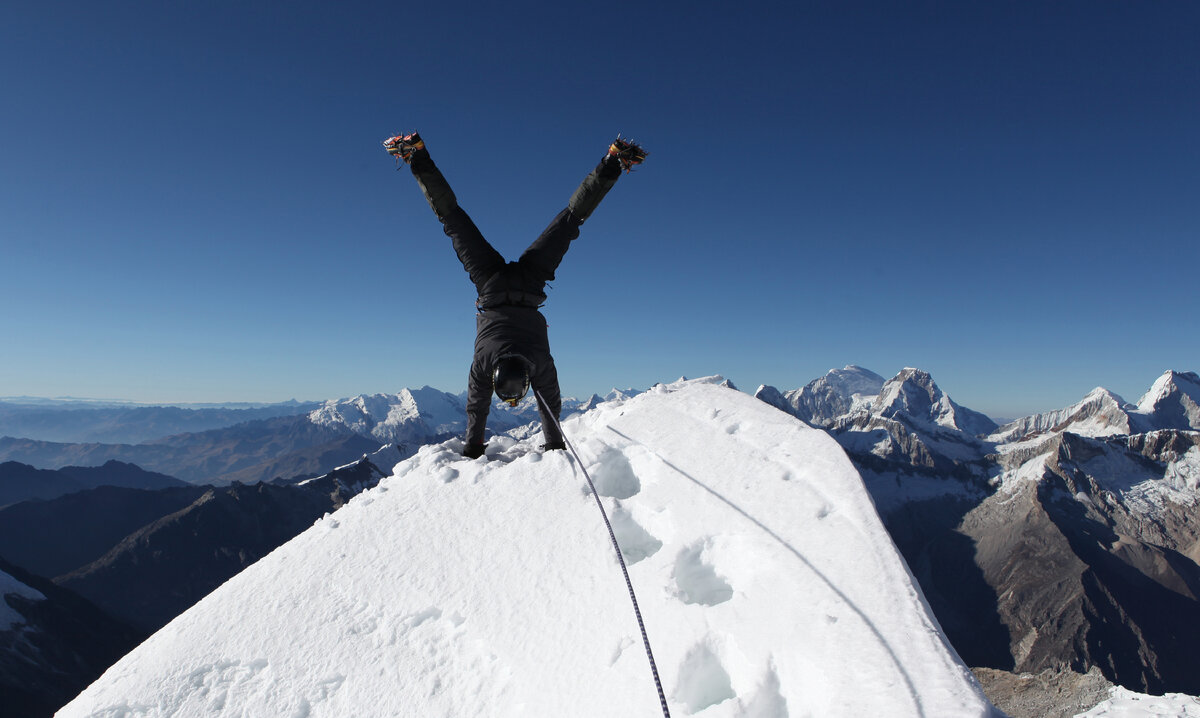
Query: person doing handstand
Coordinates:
[512,349]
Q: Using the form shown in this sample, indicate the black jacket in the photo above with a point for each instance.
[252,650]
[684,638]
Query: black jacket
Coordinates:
[508,322]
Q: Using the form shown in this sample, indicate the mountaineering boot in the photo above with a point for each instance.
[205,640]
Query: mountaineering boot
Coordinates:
[627,152]
[403,146]
[411,149]
[622,154]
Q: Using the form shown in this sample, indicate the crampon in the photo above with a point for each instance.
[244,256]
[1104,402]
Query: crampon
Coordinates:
[402,147]
[627,152]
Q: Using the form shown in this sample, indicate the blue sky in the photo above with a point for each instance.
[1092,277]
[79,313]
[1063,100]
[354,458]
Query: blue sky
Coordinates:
[196,206]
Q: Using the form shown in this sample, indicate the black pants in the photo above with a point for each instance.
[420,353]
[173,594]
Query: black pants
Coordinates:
[539,261]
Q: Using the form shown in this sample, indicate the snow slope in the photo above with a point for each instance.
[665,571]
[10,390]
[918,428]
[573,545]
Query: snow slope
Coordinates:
[489,588]
[1124,703]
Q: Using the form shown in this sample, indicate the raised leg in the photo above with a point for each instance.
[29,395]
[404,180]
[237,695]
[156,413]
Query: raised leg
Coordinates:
[478,257]
[545,254]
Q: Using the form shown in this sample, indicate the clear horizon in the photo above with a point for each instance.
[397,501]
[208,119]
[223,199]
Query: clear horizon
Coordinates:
[196,204]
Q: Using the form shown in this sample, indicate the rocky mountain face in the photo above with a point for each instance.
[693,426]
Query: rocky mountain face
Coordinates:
[1064,541]
[1172,403]
[127,560]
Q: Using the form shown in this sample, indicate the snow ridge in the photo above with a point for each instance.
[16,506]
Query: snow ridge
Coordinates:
[489,588]
[1100,413]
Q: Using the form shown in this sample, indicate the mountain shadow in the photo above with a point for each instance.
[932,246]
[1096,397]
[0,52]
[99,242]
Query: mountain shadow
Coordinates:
[943,560]
[57,536]
[160,570]
[60,645]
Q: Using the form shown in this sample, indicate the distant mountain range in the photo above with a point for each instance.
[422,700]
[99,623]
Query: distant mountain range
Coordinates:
[260,450]
[329,435]
[96,422]
[21,482]
[1064,540]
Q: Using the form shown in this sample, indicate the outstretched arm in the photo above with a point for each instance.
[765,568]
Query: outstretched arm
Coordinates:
[479,402]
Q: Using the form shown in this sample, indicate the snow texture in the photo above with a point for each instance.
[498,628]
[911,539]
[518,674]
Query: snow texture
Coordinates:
[489,587]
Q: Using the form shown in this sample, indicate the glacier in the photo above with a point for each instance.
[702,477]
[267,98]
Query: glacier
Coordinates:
[489,587]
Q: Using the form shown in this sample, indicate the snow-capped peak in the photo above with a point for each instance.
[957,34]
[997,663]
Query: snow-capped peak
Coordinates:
[850,381]
[823,400]
[913,394]
[1100,413]
[1173,402]
[407,415]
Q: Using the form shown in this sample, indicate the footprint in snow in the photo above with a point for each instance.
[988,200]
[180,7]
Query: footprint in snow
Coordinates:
[636,542]
[696,581]
[614,476]
[703,681]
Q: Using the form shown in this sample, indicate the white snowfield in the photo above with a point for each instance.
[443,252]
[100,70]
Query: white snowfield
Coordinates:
[490,588]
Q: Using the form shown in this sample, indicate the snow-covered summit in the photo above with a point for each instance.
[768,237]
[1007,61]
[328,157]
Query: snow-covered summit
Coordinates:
[912,394]
[489,587]
[1173,402]
[410,414]
[823,400]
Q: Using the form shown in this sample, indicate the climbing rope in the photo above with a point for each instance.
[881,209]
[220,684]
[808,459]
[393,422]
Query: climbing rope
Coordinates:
[662,698]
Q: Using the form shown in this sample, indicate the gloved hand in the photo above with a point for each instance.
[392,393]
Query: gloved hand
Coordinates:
[473,451]
[554,446]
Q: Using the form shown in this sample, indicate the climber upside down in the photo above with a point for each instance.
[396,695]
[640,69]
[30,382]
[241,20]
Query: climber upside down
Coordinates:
[512,349]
